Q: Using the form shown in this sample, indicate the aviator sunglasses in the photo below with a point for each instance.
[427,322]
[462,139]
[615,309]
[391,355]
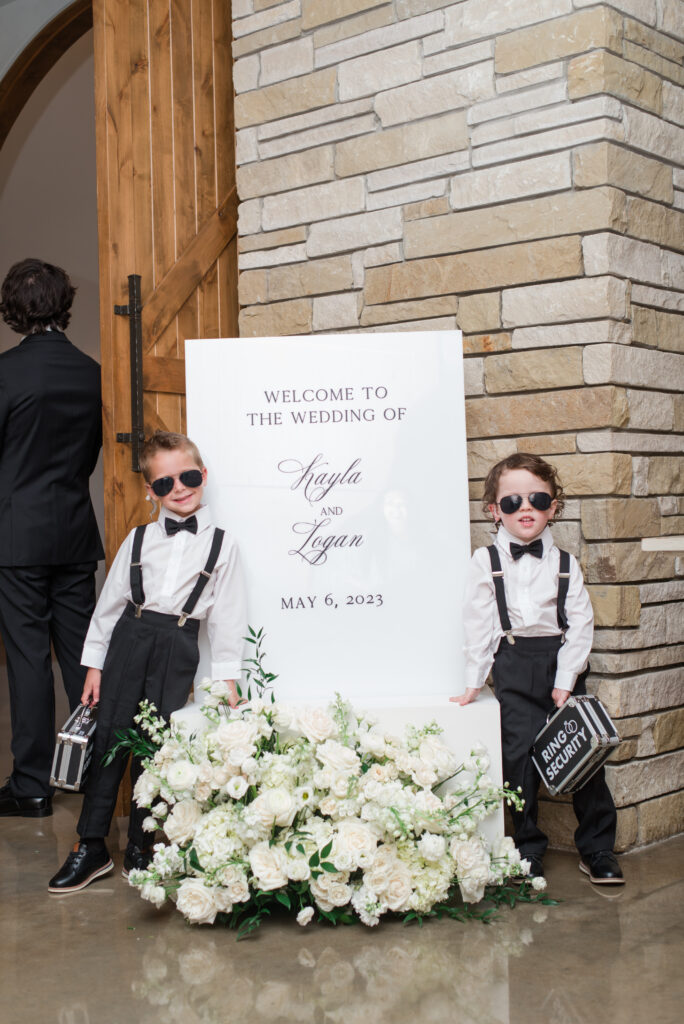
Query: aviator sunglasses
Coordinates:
[512,502]
[164,485]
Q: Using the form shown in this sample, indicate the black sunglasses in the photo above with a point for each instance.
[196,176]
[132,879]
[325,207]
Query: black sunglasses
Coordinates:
[512,502]
[164,485]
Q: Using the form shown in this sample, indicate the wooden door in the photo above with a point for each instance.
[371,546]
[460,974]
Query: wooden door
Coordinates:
[167,210]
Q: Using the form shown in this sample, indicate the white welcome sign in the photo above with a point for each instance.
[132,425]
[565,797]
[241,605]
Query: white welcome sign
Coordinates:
[339,464]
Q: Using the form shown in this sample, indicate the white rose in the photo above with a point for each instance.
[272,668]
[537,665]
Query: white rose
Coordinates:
[274,807]
[383,864]
[304,916]
[219,776]
[372,742]
[298,869]
[237,755]
[472,889]
[269,866]
[283,716]
[235,883]
[328,806]
[422,774]
[237,787]
[397,891]
[241,732]
[329,894]
[315,724]
[160,810]
[538,883]
[181,776]
[339,786]
[181,823]
[196,902]
[431,847]
[437,755]
[334,755]
[355,838]
[149,825]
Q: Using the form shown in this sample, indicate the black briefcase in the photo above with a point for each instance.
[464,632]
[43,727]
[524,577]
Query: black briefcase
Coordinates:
[74,748]
[574,744]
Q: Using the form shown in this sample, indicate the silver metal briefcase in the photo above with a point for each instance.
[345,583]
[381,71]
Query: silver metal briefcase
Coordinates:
[574,744]
[74,749]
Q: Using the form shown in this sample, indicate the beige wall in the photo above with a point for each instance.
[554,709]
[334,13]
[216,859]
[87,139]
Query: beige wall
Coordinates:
[514,169]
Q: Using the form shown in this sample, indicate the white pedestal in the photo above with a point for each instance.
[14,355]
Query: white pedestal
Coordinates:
[463,727]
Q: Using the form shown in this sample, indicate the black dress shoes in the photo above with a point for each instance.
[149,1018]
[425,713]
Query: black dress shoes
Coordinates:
[135,859]
[23,806]
[84,864]
[602,868]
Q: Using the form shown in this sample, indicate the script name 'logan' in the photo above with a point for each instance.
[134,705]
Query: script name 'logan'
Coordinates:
[316,479]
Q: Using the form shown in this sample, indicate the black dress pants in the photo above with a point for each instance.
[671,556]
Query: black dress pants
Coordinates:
[524,675]
[152,658]
[40,605]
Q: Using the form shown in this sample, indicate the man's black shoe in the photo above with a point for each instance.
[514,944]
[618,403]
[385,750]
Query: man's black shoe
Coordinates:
[84,864]
[602,868]
[23,806]
[135,859]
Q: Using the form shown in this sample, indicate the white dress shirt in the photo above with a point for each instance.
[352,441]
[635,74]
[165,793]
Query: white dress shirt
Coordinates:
[170,567]
[531,586]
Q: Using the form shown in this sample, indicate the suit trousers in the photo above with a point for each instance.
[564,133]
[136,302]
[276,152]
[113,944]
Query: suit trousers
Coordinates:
[42,605]
[152,658]
[524,674]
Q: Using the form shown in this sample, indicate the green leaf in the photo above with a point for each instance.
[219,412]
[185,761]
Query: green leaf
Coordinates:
[193,860]
[314,860]
[327,866]
[327,849]
[283,898]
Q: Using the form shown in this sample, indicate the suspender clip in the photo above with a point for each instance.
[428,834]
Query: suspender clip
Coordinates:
[564,575]
[510,637]
[138,611]
[183,619]
[499,573]
[205,573]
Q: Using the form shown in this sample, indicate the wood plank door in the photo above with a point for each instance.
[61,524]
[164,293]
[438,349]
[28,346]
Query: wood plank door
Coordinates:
[167,211]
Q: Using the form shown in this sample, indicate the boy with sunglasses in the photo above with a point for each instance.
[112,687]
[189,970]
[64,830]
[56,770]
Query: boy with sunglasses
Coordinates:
[528,617]
[142,640]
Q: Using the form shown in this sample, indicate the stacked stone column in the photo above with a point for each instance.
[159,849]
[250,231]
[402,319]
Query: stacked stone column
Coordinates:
[513,169]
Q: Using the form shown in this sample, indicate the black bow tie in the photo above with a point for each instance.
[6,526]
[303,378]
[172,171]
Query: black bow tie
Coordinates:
[536,548]
[174,526]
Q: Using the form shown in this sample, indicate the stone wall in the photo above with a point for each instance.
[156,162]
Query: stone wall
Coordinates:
[513,169]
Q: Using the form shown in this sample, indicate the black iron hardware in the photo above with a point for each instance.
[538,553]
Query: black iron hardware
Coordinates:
[134,313]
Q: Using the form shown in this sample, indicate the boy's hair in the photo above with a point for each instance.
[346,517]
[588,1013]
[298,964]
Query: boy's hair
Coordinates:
[533,464]
[36,295]
[166,441]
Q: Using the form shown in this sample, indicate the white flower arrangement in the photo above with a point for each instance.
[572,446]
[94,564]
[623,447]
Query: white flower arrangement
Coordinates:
[317,811]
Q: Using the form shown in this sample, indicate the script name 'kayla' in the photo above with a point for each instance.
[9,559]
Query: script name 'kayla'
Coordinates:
[316,479]
[563,747]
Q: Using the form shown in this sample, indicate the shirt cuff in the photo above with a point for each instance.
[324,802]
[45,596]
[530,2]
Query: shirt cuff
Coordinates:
[565,680]
[93,656]
[226,670]
[472,681]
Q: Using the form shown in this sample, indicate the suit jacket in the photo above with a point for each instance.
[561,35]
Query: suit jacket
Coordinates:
[50,438]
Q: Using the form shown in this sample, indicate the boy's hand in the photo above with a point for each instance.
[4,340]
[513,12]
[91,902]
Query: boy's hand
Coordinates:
[559,697]
[468,697]
[91,690]
[233,698]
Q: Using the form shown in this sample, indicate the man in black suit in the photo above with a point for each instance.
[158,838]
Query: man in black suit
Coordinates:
[50,438]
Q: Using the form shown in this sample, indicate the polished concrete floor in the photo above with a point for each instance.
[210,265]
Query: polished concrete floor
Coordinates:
[104,956]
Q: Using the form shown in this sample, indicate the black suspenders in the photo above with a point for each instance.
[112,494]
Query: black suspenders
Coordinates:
[499,591]
[137,592]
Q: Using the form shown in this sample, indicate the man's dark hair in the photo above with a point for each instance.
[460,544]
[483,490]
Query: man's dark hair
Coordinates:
[36,295]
